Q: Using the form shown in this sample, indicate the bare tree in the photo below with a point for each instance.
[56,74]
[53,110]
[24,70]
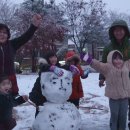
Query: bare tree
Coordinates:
[52,28]
[85,20]
[7,11]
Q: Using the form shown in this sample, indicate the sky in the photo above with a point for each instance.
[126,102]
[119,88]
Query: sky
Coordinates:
[116,5]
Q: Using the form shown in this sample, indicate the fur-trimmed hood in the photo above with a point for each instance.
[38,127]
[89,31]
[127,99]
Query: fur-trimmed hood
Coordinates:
[110,55]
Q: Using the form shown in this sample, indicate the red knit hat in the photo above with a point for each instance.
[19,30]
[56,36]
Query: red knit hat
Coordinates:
[69,55]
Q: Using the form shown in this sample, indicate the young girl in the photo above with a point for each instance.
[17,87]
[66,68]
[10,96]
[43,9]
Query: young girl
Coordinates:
[116,72]
[77,91]
[50,63]
[7,122]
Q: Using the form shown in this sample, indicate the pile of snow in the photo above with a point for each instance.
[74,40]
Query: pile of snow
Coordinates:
[94,108]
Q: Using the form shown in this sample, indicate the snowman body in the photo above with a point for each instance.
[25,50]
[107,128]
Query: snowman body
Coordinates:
[57,113]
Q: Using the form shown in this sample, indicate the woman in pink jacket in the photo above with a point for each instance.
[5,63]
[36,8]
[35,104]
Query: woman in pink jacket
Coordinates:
[117,88]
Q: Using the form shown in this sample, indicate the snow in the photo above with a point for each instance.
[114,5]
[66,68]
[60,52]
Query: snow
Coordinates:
[53,116]
[94,108]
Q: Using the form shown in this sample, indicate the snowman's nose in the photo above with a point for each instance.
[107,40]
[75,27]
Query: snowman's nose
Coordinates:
[61,83]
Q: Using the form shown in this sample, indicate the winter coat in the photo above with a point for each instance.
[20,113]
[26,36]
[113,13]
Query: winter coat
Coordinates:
[124,48]
[77,90]
[36,94]
[8,51]
[117,80]
[7,102]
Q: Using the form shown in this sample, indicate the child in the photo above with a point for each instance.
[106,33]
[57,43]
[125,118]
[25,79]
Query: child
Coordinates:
[77,91]
[7,101]
[116,72]
[119,40]
[9,47]
[50,63]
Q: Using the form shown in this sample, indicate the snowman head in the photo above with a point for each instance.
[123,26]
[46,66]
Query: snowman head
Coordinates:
[56,89]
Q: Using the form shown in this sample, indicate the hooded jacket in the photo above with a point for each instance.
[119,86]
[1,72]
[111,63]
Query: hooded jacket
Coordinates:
[124,48]
[8,51]
[117,80]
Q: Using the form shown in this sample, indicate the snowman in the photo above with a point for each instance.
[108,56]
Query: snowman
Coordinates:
[57,113]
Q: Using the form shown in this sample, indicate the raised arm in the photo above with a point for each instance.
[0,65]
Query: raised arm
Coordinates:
[97,65]
[18,42]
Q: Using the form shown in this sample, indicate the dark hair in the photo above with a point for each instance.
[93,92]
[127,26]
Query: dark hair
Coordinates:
[117,54]
[48,55]
[3,77]
[3,26]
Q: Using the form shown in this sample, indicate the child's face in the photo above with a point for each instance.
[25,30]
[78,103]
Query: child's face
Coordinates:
[5,86]
[53,60]
[3,36]
[119,33]
[118,63]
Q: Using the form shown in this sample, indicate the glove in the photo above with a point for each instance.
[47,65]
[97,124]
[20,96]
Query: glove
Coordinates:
[83,52]
[86,72]
[74,70]
[56,70]
[101,83]
[88,58]
[82,55]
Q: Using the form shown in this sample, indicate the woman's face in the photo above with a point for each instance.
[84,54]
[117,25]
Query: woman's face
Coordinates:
[3,36]
[53,60]
[119,33]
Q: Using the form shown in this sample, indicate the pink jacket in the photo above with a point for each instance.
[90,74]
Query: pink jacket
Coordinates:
[117,80]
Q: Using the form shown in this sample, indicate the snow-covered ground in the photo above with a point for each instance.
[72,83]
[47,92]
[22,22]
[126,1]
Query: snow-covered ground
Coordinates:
[93,107]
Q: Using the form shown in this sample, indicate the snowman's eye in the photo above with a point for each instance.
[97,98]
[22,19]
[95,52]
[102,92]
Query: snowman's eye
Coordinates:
[54,78]
[43,86]
[54,82]
[67,78]
[68,83]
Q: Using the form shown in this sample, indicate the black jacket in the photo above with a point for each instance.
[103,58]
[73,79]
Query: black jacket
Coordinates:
[7,102]
[8,51]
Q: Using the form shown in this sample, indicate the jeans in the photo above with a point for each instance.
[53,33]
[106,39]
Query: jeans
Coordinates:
[118,109]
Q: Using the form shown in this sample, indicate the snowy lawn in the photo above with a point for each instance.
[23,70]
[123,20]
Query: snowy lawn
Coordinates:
[93,107]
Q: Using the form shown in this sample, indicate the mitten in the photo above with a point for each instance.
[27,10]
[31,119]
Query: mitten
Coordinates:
[74,69]
[82,54]
[88,58]
[86,72]
[56,70]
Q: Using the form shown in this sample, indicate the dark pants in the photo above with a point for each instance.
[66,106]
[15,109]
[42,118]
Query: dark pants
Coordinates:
[129,114]
[118,109]
[8,125]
